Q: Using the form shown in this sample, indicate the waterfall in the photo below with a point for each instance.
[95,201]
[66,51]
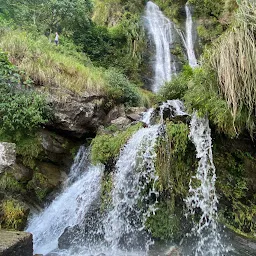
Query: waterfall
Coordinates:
[134,170]
[189,41]
[70,207]
[204,197]
[162,32]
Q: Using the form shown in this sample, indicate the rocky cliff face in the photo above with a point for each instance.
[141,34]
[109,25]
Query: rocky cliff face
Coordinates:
[77,115]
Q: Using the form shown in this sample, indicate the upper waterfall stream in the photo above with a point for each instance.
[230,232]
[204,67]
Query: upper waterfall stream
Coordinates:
[190,40]
[162,33]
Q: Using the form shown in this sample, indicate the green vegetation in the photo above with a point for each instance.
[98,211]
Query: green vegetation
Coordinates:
[106,147]
[172,159]
[165,224]
[200,91]
[106,189]
[172,9]
[57,71]
[174,165]
[47,16]
[236,175]
[233,58]
[40,185]
[9,184]
[14,215]
[214,17]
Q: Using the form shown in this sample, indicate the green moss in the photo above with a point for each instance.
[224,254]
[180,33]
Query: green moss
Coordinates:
[165,223]
[106,147]
[238,208]
[171,164]
[106,189]
[29,149]
[174,166]
[40,185]
[9,184]
[14,215]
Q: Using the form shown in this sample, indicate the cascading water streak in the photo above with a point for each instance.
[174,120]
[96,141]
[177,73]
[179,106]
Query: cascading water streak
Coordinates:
[189,42]
[134,170]
[204,197]
[69,208]
[162,32]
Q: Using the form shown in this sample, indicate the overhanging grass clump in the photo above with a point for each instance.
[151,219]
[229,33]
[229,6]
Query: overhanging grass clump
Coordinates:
[233,57]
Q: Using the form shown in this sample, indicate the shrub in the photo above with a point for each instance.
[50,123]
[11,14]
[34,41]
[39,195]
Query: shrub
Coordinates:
[14,215]
[176,88]
[120,89]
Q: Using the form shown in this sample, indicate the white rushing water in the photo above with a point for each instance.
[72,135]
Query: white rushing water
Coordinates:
[69,208]
[162,31]
[204,196]
[189,38]
[134,170]
[175,107]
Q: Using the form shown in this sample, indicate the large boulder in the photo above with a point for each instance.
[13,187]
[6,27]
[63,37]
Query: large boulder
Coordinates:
[13,243]
[7,155]
[77,115]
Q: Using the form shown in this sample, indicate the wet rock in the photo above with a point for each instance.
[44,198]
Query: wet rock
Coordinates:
[241,244]
[87,231]
[13,243]
[136,110]
[52,142]
[7,155]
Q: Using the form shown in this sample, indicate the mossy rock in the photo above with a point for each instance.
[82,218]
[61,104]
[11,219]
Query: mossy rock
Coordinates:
[40,185]
[165,224]
[10,185]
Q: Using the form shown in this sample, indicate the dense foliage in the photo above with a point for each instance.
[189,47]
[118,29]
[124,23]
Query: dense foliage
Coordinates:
[22,109]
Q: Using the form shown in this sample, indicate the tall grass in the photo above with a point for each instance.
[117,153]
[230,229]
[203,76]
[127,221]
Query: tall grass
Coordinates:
[47,65]
[233,57]
[60,68]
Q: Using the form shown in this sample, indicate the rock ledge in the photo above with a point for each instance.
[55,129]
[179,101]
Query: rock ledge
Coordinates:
[13,243]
